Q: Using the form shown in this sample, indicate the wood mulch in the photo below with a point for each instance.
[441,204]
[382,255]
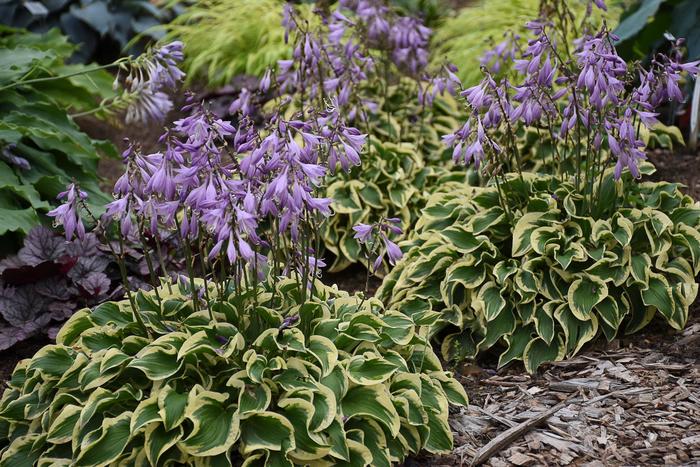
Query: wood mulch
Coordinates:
[633,403]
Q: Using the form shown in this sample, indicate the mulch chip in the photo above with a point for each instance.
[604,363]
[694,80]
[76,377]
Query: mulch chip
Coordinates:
[632,405]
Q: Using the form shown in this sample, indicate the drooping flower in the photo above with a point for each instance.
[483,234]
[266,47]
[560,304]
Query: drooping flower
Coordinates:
[68,213]
[376,238]
[148,77]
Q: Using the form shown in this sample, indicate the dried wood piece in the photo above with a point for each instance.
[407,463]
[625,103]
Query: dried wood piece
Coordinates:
[505,438]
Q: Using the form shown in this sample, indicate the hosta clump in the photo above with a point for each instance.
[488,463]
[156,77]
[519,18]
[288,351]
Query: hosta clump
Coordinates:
[541,280]
[263,378]
[368,63]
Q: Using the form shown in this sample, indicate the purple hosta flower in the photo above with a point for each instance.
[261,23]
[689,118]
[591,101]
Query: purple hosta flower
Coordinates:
[8,155]
[470,144]
[445,81]
[479,95]
[149,106]
[233,227]
[148,78]
[664,77]
[129,191]
[163,69]
[376,238]
[243,103]
[601,72]
[294,172]
[68,214]
[501,55]
[373,15]
[405,37]
[344,143]
[409,41]
[600,4]
[288,21]
[627,148]
[288,322]
[266,81]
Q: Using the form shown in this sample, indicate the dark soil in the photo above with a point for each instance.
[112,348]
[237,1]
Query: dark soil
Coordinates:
[20,351]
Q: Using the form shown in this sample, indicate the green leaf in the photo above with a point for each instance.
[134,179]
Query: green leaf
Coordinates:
[52,360]
[266,430]
[584,294]
[466,273]
[636,21]
[158,360]
[158,440]
[659,295]
[464,240]
[492,300]
[18,220]
[538,352]
[486,219]
[373,402]
[146,413]
[366,371]
[23,451]
[325,352]
[109,446]
[215,425]
[171,405]
[308,446]
[61,429]
[517,342]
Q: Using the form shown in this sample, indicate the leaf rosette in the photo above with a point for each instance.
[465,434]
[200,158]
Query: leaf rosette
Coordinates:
[541,287]
[268,381]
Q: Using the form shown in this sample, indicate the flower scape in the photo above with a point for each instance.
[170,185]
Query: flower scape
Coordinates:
[189,316]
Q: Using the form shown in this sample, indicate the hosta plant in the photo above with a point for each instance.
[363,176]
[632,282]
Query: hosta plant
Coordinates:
[403,164]
[369,63]
[540,281]
[254,363]
[261,378]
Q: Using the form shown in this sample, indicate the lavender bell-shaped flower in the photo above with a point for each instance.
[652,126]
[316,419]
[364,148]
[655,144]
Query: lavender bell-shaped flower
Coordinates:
[68,213]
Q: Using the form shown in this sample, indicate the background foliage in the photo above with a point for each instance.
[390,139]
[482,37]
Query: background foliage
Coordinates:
[226,38]
[101,28]
[42,148]
[457,41]
[642,27]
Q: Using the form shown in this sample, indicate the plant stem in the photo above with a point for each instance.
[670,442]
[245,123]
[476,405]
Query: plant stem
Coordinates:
[67,75]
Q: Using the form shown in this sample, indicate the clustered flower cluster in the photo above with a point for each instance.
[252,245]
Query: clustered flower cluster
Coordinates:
[246,199]
[335,64]
[238,196]
[588,100]
[148,77]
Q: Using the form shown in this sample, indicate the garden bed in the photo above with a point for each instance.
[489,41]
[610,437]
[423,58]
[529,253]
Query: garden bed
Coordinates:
[635,400]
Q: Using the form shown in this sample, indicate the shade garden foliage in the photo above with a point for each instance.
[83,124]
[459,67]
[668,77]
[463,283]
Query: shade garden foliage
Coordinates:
[266,378]
[554,278]
[513,216]
[42,148]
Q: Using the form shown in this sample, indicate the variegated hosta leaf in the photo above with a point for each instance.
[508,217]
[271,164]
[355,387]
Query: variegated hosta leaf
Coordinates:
[348,382]
[403,164]
[553,280]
